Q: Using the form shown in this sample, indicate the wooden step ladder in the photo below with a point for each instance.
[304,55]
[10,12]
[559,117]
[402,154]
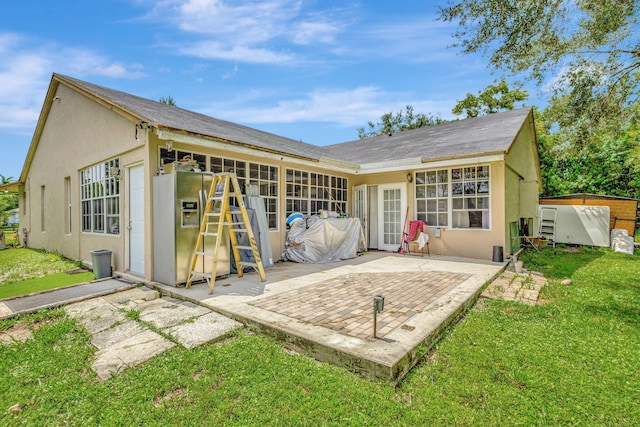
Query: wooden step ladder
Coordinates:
[217,215]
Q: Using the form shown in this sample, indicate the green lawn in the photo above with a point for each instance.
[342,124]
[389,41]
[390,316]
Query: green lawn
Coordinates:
[23,271]
[571,361]
[53,281]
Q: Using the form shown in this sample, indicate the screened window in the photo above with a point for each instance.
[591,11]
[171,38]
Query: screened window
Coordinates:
[260,176]
[262,179]
[310,192]
[456,198]
[100,197]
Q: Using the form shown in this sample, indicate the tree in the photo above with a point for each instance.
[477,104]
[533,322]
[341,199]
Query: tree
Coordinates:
[167,100]
[390,123]
[586,51]
[610,167]
[8,201]
[494,98]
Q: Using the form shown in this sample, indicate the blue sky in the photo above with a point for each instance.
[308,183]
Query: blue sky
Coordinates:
[309,70]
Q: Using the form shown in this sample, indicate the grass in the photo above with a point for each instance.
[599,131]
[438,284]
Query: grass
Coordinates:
[53,281]
[571,361]
[23,271]
[10,236]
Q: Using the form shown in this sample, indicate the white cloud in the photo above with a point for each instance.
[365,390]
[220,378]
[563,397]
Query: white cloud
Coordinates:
[215,50]
[231,74]
[308,32]
[247,31]
[348,108]
[419,39]
[246,22]
[26,66]
[82,62]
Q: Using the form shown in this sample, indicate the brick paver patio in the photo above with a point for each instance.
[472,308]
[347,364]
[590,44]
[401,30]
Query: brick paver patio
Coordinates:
[345,303]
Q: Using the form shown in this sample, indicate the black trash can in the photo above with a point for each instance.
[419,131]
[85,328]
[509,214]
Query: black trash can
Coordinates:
[498,254]
[101,260]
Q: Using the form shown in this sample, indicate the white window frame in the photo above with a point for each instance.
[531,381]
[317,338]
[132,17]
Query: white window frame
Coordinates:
[265,177]
[100,198]
[309,192]
[68,207]
[447,197]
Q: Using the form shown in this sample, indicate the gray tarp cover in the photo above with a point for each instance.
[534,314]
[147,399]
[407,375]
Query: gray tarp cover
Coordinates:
[325,240]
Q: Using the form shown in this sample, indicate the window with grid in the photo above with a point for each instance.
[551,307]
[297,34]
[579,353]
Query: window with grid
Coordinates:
[457,197]
[263,177]
[310,192]
[167,157]
[100,197]
[432,197]
[470,197]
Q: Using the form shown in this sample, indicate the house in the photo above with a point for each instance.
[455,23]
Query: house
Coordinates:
[13,217]
[87,181]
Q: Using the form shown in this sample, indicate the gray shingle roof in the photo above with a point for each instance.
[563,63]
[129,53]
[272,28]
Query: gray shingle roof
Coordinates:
[176,118]
[493,133]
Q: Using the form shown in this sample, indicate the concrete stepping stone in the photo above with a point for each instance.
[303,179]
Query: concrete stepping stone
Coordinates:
[166,312]
[202,329]
[123,342]
[95,315]
[132,351]
[116,334]
[131,298]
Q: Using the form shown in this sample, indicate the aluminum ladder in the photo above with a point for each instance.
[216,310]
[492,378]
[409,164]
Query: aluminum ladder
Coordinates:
[548,218]
[217,215]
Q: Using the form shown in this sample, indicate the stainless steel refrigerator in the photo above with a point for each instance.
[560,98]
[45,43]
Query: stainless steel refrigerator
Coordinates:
[179,199]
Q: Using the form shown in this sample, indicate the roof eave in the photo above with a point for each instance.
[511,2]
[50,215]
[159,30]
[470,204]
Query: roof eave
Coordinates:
[170,134]
[11,187]
[418,163]
[42,118]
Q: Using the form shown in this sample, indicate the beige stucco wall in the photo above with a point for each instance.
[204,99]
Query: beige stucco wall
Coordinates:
[470,243]
[522,180]
[79,132]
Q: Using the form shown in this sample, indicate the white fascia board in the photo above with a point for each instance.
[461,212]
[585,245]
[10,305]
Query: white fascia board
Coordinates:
[416,163]
[328,164]
[466,161]
[339,164]
[390,166]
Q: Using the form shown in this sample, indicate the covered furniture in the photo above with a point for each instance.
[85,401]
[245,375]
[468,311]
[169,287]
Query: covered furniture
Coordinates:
[325,240]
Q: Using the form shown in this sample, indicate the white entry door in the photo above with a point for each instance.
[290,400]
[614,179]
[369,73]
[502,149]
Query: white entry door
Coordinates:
[360,209]
[392,208]
[136,220]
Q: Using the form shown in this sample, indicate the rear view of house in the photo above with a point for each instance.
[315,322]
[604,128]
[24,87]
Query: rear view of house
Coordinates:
[87,182]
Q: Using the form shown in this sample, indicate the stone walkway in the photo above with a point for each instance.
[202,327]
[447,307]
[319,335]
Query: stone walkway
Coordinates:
[511,286]
[133,326]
